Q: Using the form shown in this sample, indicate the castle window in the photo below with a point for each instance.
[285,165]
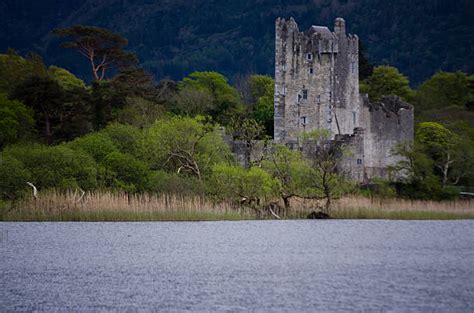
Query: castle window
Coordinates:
[298,100]
[354,115]
[304,120]
[309,56]
[284,90]
[305,94]
[311,70]
[318,99]
[359,161]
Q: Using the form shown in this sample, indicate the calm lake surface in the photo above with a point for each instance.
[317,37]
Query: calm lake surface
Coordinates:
[289,266]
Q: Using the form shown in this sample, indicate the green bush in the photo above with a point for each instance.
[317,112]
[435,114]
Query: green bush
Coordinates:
[125,172]
[379,188]
[97,145]
[126,137]
[172,183]
[13,178]
[236,183]
[16,121]
[56,167]
[185,145]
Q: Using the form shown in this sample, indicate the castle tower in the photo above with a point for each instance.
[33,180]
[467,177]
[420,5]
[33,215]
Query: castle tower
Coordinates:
[316,80]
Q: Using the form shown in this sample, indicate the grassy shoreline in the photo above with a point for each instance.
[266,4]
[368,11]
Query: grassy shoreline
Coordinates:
[201,217]
[115,207]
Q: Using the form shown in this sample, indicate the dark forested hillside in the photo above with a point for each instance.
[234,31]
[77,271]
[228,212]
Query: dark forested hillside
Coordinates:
[175,37]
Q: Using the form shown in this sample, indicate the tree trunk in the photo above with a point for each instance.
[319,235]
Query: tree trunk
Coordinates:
[445,170]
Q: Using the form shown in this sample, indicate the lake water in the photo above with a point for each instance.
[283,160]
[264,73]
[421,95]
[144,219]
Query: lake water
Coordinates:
[289,266]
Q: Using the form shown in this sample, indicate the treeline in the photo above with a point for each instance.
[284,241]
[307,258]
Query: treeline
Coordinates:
[174,38]
[126,131]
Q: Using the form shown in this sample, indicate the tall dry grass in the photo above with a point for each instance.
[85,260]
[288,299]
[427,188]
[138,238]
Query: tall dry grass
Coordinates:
[106,205]
[396,208]
[396,204]
[116,206]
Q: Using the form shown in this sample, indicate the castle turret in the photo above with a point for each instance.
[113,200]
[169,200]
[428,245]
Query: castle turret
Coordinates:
[340,27]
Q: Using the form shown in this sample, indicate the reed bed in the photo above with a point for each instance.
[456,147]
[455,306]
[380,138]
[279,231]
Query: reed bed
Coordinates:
[116,206]
[356,207]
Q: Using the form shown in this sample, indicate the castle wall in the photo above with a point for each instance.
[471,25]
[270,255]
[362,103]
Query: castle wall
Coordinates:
[316,80]
[352,162]
[324,89]
[245,153]
[388,123]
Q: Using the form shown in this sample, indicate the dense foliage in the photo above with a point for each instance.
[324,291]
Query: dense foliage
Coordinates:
[131,133]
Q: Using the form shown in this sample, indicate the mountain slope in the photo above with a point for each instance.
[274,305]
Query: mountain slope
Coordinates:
[175,37]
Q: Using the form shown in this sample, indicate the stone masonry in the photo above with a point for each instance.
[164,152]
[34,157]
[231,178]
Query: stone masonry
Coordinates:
[317,87]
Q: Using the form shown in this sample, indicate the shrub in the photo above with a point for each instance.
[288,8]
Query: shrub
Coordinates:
[97,145]
[56,167]
[125,137]
[236,183]
[125,172]
[13,178]
[172,183]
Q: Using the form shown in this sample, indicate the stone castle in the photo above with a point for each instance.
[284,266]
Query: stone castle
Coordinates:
[317,87]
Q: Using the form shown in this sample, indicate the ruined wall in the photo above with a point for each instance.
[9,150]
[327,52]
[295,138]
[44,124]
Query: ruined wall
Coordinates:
[352,163]
[387,123]
[246,154]
[316,80]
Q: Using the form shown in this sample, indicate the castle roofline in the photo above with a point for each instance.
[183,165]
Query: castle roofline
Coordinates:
[322,31]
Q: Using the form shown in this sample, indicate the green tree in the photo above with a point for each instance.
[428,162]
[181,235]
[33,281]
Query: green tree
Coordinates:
[191,101]
[324,180]
[56,167]
[125,172]
[444,147]
[140,112]
[131,97]
[225,98]
[136,82]
[125,137]
[74,117]
[104,100]
[65,79]
[184,145]
[249,131]
[262,89]
[103,49]
[414,172]
[15,69]
[45,97]
[174,184]
[13,178]
[253,187]
[291,170]
[16,121]
[445,89]
[98,145]
[386,81]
